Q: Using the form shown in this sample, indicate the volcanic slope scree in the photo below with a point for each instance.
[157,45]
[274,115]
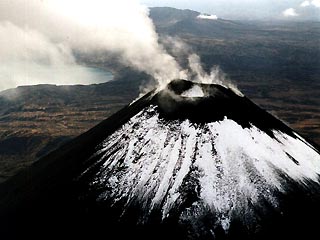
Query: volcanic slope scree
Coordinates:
[192,161]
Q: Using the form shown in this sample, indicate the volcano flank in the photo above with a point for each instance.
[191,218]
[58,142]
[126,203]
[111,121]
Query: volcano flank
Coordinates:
[190,161]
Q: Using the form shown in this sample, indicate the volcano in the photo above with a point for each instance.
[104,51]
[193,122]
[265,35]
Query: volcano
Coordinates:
[191,161]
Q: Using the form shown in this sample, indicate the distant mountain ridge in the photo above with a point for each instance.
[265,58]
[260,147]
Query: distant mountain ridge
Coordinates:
[168,15]
[176,21]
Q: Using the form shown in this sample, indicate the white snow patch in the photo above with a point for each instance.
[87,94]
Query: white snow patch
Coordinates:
[207,16]
[195,91]
[150,160]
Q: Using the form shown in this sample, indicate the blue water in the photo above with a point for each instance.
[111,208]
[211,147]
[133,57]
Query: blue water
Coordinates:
[28,74]
[100,75]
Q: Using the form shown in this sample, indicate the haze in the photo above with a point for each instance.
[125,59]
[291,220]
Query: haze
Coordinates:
[248,9]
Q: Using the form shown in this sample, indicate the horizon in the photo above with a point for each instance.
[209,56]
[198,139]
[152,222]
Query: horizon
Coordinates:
[292,10]
[262,20]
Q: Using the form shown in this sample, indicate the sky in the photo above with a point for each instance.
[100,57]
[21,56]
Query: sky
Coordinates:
[248,9]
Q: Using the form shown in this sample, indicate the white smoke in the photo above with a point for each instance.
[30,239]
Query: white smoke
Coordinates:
[60,27]
[194,70]
[176,47]
[215,75]
[28,58]
[38,39]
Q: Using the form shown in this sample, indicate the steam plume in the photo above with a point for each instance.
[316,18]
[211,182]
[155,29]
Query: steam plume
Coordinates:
[28,58]
[121,27]
[215,75]
[43,35]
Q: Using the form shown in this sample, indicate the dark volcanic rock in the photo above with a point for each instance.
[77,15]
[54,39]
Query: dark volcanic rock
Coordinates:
[192,161]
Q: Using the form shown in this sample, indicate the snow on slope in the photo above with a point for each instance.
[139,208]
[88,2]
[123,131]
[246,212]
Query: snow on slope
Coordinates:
[230,168]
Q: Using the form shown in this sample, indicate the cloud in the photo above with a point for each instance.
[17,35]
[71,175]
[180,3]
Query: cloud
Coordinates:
[209,17]
[305,4]
[308,10]
[316,3]
[290,12]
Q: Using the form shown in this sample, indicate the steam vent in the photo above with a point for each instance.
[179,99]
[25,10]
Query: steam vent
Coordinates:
[192,161]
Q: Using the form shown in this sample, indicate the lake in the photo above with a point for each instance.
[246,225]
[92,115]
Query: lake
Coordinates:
[27,74]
